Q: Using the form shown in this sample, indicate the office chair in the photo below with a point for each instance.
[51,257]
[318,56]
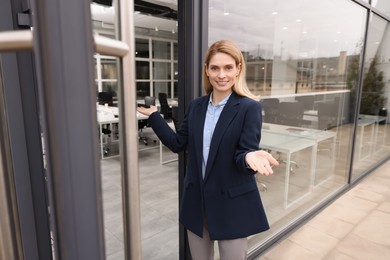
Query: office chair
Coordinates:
[307,101]
[328,115]
[149,101]
[291,113]
[271,109]
[143,123]
[175,117]
[105,98]
[164,107]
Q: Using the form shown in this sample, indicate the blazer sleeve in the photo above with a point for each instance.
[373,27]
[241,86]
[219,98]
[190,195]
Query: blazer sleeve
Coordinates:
[175,141]
[250,135]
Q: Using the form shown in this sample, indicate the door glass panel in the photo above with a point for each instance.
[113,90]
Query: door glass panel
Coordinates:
[154,59]
[373,139]
[107,77]
[303,64]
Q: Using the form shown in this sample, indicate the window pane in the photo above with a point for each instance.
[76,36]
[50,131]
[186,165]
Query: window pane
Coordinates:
[109,68]
[161,50]
[175,51]
[111,87]
[161,70]
[143,89]
[305,70]
[142,70]
[162,87]
[141,48]
[372,139]
[382,5]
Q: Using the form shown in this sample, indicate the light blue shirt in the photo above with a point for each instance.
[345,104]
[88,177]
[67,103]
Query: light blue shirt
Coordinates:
[212,116]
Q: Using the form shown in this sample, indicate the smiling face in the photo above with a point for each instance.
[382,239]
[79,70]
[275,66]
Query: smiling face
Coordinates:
[222,72]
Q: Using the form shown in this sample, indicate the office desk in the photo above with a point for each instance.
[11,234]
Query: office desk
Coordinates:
[289,140]
[365,121]
[109,116]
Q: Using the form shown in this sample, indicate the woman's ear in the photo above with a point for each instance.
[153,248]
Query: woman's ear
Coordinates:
[205,69]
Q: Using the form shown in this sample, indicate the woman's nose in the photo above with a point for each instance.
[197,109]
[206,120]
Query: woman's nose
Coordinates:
[221,74]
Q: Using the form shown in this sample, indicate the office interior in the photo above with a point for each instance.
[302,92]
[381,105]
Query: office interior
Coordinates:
[322,70]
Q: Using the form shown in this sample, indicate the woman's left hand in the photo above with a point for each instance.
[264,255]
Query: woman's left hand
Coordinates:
[261,162]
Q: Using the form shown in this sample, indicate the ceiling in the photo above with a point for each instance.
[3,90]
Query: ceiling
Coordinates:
[151,14]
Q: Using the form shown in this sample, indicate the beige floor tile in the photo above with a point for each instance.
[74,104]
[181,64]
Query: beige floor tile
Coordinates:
[351,202]
[363,249]
[385,207]
[359,192]
[314,240]
[332,226]
[376,228]
[353,216]
[377,184]
[287,250]
[337,255]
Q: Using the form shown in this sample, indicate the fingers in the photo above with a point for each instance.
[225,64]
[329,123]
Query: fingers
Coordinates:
[261,162]
[268,156]
[147,111]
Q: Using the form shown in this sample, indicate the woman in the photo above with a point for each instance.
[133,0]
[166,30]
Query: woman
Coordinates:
[221,131]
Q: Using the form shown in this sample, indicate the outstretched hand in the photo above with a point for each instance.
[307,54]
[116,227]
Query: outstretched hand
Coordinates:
[147,111]
[261,162]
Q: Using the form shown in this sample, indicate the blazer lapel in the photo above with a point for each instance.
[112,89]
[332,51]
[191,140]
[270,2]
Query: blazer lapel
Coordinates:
[199,120]
[226,117]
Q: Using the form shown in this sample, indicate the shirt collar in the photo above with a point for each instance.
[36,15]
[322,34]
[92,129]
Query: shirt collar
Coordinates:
[222,102]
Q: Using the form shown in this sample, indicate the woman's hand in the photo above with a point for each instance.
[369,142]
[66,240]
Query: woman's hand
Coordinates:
[261,162]
[147,111]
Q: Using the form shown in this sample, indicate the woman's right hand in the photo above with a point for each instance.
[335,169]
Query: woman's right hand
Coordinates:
[147,111]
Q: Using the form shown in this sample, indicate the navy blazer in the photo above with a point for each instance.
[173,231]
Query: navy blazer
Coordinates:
[228,197]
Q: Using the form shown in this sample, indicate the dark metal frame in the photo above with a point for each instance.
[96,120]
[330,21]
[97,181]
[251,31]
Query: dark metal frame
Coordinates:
[192,44]
[63,48]
[21,105]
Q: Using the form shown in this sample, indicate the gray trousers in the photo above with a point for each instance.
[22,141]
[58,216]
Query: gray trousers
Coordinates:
[203,248]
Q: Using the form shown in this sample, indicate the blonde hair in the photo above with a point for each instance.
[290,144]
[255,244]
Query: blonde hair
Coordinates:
[229,48]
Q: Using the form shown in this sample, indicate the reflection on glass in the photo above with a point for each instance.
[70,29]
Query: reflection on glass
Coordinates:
[303,59]
[373,139]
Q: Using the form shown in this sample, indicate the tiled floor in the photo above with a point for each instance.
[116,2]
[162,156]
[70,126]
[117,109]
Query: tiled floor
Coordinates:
[355,226]
[347,229]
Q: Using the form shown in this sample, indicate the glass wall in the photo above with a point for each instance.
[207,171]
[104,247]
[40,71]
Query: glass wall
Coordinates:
[372,136]
[303,58]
